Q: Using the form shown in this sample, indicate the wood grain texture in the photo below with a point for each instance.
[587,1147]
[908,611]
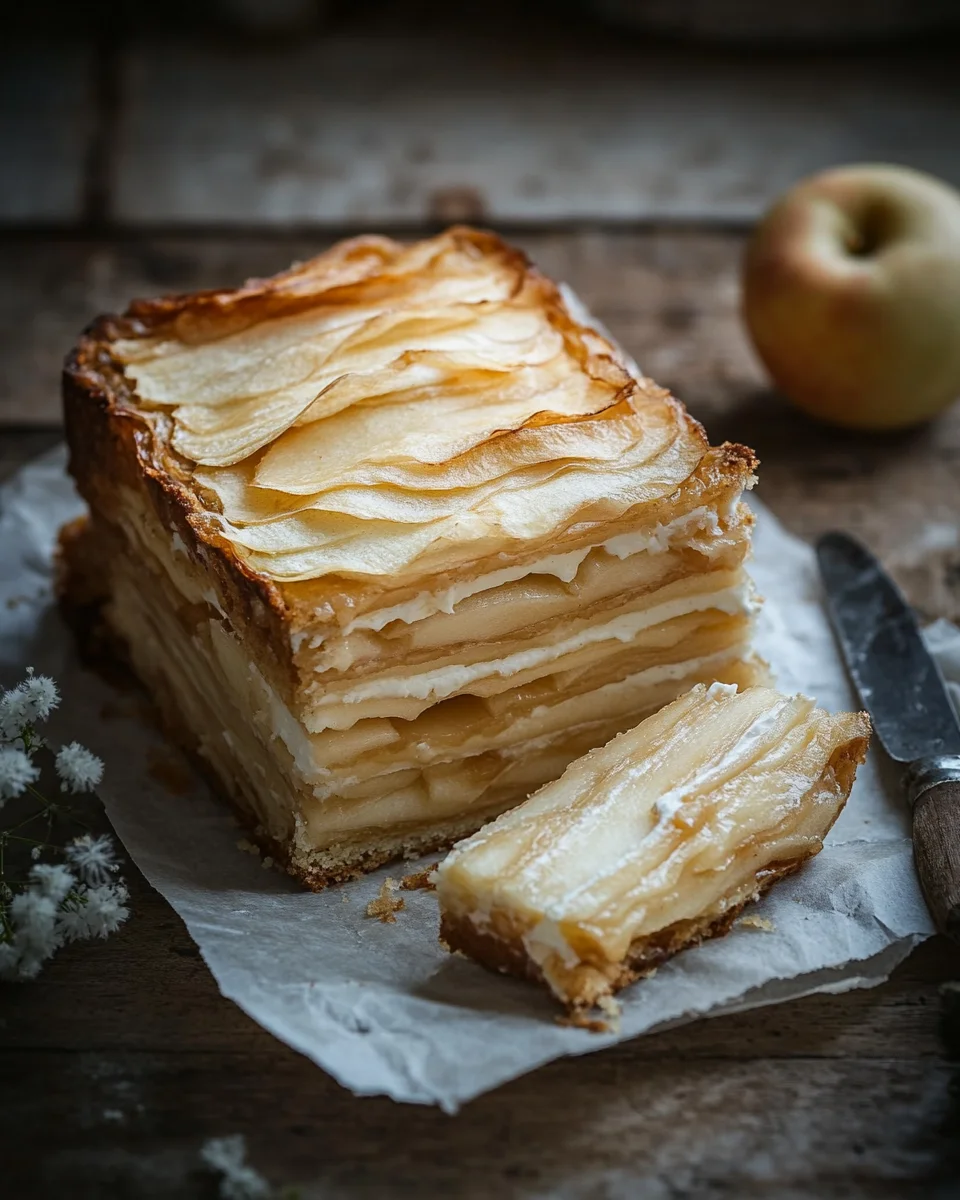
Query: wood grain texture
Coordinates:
[936,846]
[131,1125]
[565,121]
[46,122]
[21,445]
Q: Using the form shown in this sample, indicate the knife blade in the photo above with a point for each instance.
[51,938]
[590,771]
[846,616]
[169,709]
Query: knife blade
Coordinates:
[901,686]
[892,670]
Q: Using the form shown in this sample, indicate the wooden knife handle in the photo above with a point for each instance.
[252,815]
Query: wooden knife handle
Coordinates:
[936,848]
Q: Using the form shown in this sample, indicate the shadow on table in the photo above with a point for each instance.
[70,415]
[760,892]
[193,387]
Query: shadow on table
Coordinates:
[783,435]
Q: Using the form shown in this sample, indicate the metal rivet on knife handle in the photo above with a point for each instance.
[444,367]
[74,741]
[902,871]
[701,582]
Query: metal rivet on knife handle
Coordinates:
[926,773]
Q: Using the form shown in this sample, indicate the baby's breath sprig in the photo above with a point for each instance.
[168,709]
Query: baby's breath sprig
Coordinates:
[226,1157]
[57,902]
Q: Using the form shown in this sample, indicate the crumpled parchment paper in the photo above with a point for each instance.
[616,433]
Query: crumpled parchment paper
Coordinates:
[382,1007]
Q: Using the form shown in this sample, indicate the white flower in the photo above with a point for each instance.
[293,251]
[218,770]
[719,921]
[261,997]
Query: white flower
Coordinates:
[34,920]
[53,880]
[13,713]
[31,701]
[42,695]
[16,772]
[94,912]
[30,964]
[106,908]
[80,898]
[238,1181]
[17,962]
[93,857]
[72,923]
[80,770]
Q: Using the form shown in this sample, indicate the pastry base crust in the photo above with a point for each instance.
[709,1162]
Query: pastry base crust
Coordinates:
[646,954]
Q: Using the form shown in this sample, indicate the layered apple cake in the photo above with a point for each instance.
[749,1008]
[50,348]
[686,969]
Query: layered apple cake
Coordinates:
[394,536]
[653,842]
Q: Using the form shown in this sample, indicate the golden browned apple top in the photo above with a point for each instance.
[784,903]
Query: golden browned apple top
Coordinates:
[398,411]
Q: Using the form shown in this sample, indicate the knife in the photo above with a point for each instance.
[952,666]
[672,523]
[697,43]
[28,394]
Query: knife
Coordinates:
[902,688]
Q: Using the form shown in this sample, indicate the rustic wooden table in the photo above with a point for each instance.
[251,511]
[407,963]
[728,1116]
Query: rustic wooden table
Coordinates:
[633,173]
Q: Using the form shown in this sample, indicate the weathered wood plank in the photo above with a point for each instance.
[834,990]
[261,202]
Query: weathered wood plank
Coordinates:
[18,446]
[51,288]
[510,124]
[46,122]
[132,1125]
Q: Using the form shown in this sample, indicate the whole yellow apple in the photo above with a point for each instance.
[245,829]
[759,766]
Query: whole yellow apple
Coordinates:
[851,293]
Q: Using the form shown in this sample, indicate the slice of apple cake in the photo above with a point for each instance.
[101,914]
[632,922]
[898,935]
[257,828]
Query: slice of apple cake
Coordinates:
[653,842]
[394,536]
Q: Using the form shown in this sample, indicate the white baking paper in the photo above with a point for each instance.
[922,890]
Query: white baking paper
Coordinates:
[382,1007]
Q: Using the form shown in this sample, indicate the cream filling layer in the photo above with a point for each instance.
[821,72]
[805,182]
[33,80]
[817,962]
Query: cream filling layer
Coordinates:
[561,566]
[251,735]
[250,689]
[443,682]
[668,804]
[530,734]
[407,794]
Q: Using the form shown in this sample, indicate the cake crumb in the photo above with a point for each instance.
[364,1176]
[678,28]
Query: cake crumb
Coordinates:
[386,904]
[267,863]
[753,922]
[248,847]
[611,1008]
[577,1019]
[343,897]
[580,1018]
[425,880]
